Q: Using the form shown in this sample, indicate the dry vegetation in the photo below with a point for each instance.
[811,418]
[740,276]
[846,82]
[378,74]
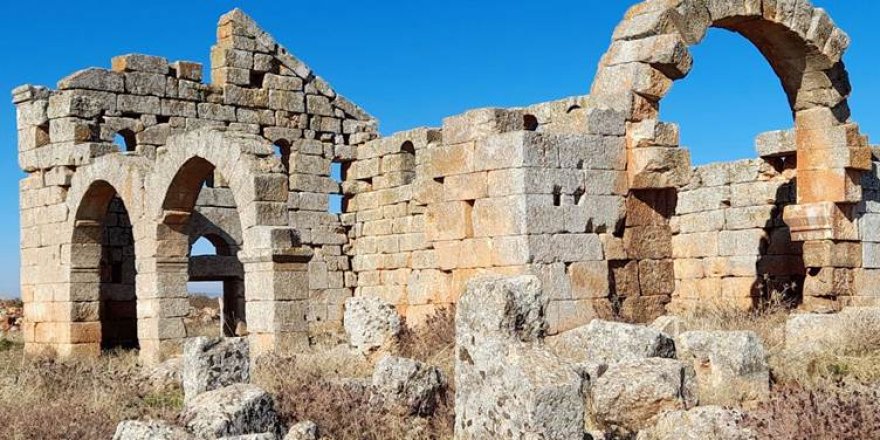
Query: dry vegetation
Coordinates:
[833,395]
[318,387]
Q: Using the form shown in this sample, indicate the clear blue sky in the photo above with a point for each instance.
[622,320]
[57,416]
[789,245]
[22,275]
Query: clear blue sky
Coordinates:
[412,63]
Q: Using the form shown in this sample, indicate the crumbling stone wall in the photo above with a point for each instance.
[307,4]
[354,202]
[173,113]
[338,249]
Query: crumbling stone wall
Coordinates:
[592,195]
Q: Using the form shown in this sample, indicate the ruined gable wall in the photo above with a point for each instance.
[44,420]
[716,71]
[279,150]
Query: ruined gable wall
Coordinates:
[258,87]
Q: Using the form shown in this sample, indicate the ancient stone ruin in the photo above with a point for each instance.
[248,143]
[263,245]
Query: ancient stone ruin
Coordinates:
[592,195]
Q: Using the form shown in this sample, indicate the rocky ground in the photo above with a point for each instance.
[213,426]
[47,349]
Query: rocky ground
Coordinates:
[400,383]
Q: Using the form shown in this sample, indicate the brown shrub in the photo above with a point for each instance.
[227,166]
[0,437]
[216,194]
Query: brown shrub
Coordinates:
[314,387]
[433,342]
[46,399]
[832,412]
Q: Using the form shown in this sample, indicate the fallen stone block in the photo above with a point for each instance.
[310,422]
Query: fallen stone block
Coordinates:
[234,410]
[608,342]
[704,423]
[631,394]
[149,430]
[506,381]
[212,363]
[730,366]
[370,323]
[166,376]
[670,325]
[407,386]
[306,430]
[847,331]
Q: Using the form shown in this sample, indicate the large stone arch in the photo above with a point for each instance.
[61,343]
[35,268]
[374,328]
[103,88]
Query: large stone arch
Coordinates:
[804,47]
[114,178]
[259,186]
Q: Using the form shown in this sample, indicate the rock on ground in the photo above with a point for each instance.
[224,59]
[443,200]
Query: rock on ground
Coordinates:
[628,397]
[407,385]
[234,410]
[607,342]
[731,366]
[212,363]
[507,384]
[370,323]
[149,430]
[700,423]
[670,325]
[306,430]
[854,329]
[166,376]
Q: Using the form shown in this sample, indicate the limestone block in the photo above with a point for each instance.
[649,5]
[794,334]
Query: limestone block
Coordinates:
[606,122]
[234,410]
[709,221]
[93,79]
[643,309]
[370,323]
[465,186]
[830,282]
[667,53]
[656,22]
[516,149]
[670,325]
[142,104]
[73,130]
[140,83]
[659,167]
[730,367]
[499,216]
[567,248]
[140,63]
[628,397]
[750,217]
[828,253]
[76,103]
[652,133]
[836,185]
[278,82]
[656,277]
[287,100]
[821,221]
[703,422]
[448,160]
[745,242]
[211,363]
[776,143]
[187,70]
[407,386]
[655,242]
[306,430]
[496,319]
[703,199]
[456,220]
[611,342]
[149,430]
[479,124]
[622,80]
[852,158]
[589,279]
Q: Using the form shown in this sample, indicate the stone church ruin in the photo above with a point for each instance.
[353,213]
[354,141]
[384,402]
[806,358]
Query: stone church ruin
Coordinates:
[593,195]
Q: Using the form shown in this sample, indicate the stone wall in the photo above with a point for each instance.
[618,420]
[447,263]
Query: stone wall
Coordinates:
[592,195]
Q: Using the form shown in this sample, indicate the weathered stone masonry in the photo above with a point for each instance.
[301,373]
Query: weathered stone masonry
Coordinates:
[592,194]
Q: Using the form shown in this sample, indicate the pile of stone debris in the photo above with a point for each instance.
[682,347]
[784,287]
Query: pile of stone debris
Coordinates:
[221,403]
[11,316]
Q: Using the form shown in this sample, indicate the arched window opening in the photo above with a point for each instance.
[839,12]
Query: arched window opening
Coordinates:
[721,110]
[126,140]
[336,203]
[530,122]
[408,147]
[206,229]
[282,152]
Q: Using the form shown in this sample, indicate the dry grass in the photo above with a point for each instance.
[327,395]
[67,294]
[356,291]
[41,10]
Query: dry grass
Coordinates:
[858,360]
[318,386]
[834,412]
[46,399]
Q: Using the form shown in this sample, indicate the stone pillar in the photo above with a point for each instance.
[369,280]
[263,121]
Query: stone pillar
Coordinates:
[277,308]
[832,156]
[163,302]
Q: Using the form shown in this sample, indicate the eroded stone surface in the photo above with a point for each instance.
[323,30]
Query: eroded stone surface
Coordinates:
[731,366]
[230,411]
[211,363]
[371,323]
